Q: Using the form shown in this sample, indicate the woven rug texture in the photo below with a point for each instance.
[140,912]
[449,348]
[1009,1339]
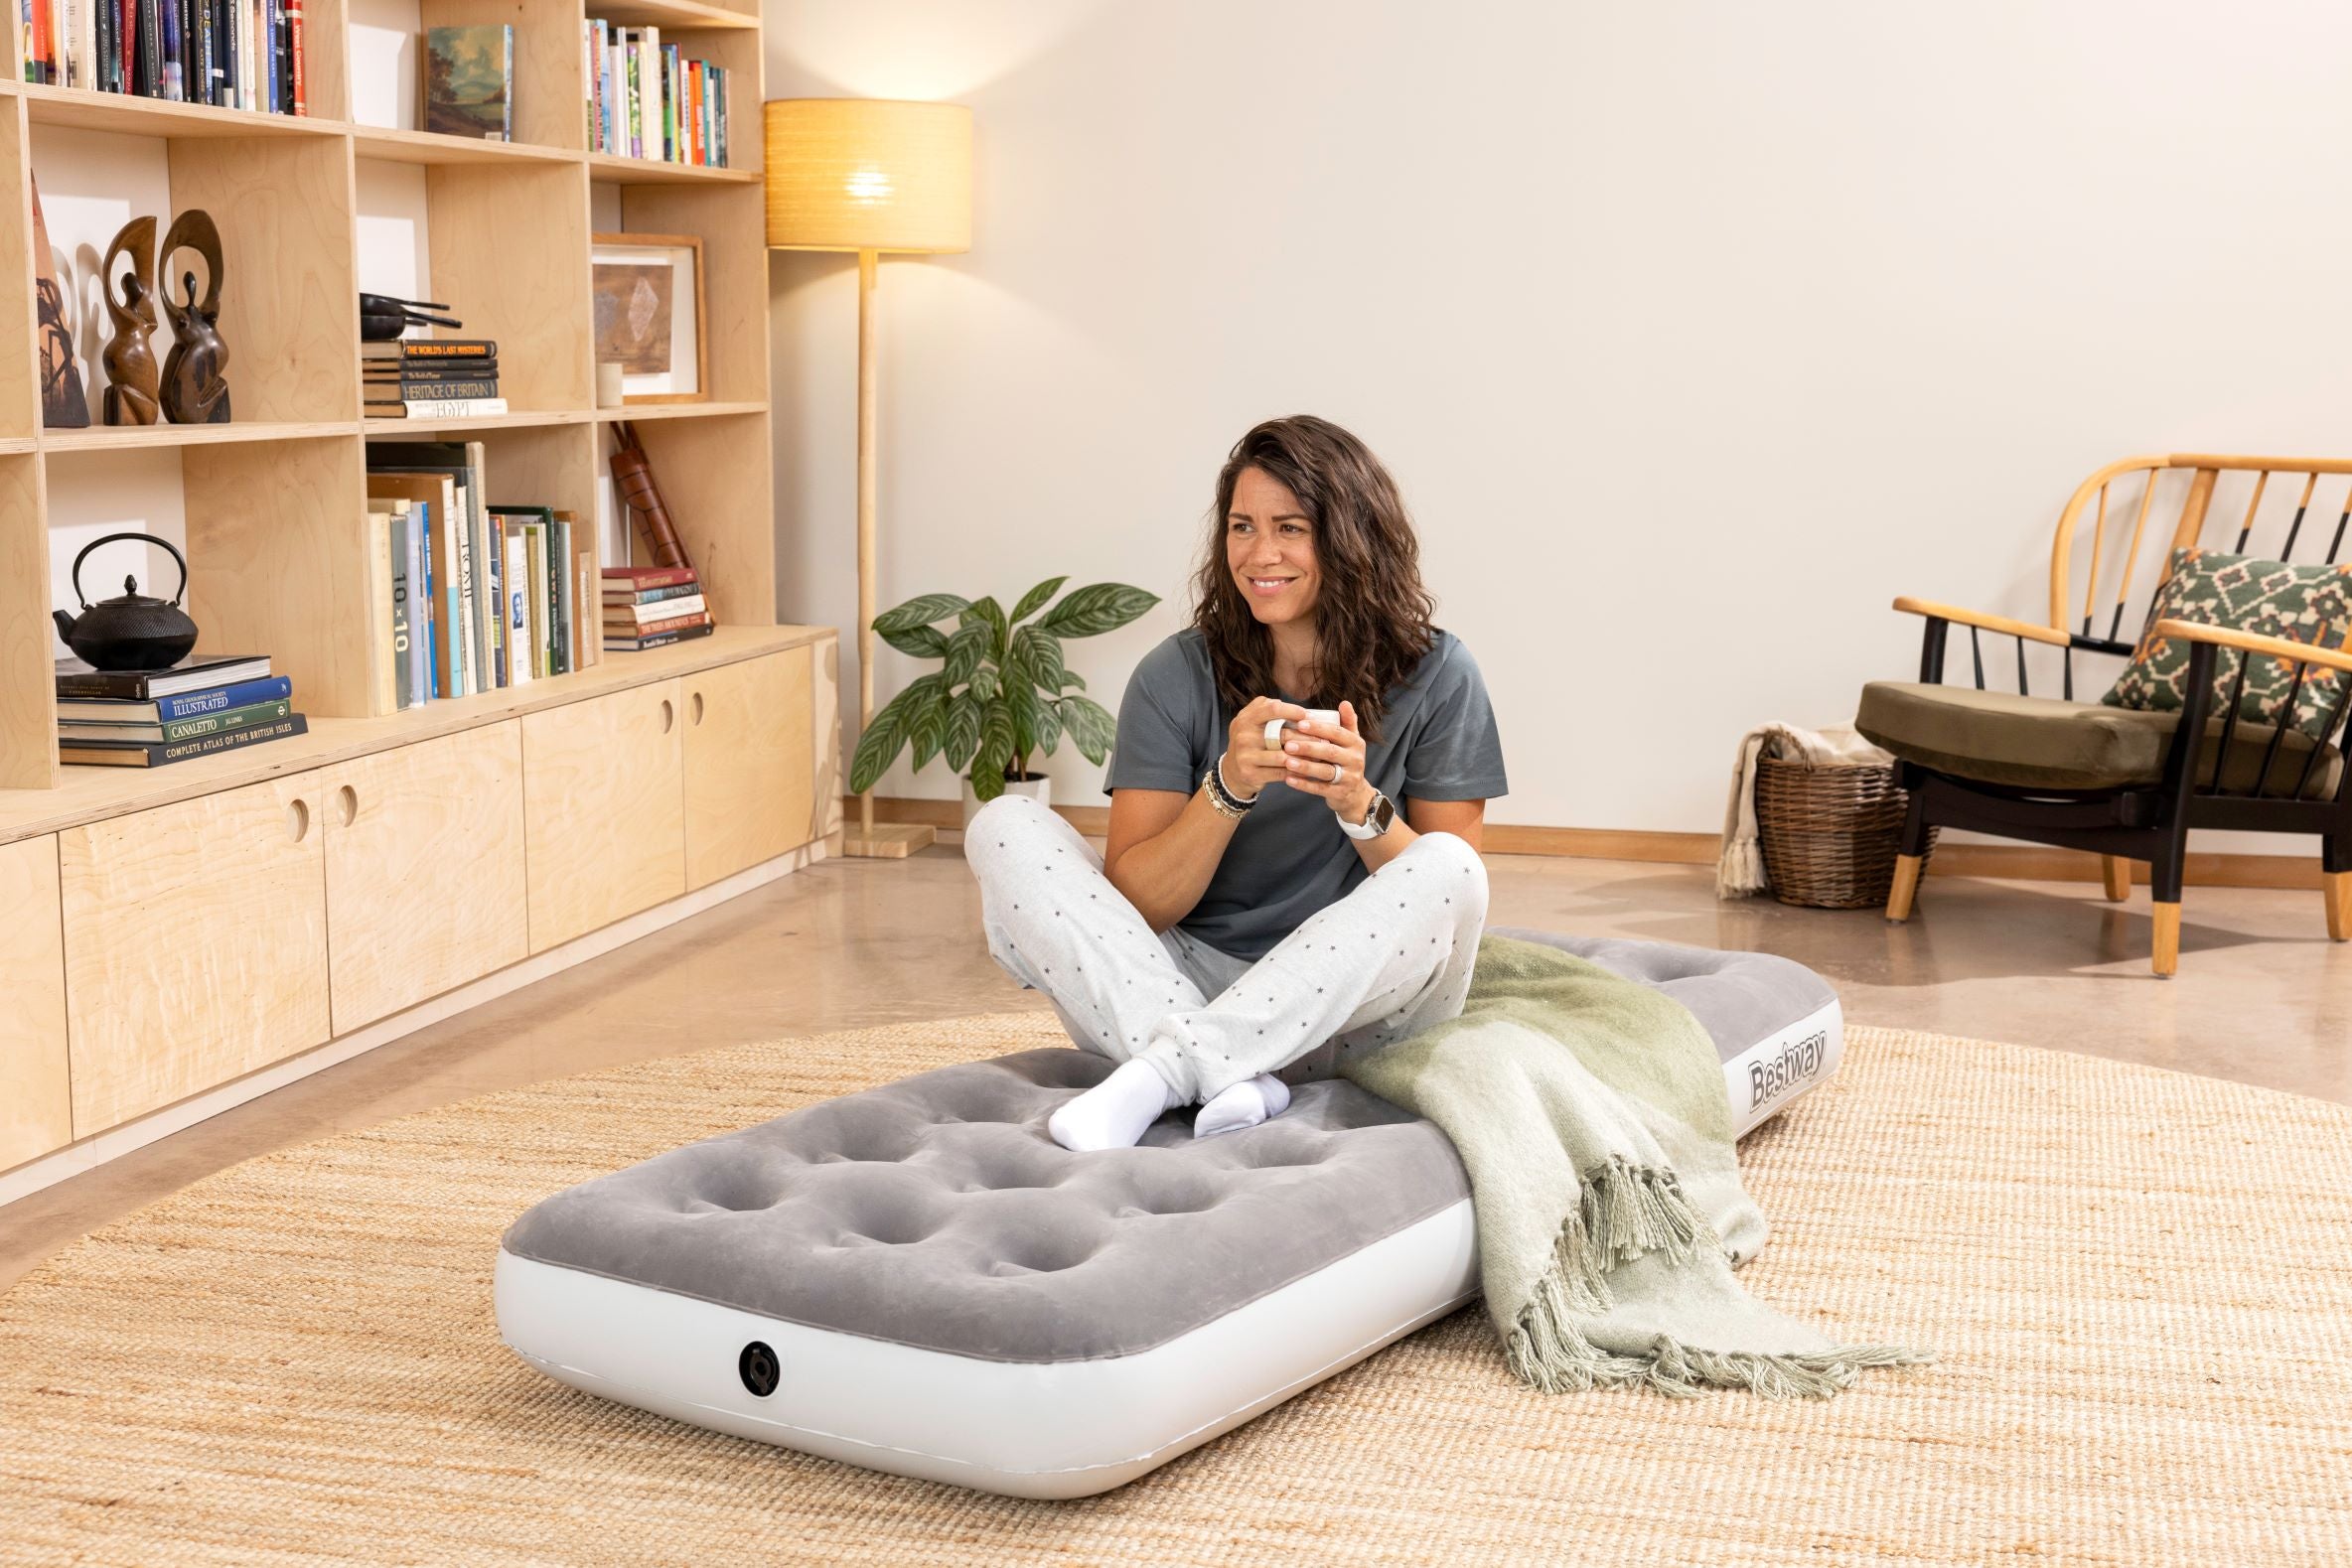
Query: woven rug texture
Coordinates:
[2139,1283]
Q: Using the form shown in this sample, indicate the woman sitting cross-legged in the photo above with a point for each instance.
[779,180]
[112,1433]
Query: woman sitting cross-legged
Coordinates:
[1260,909]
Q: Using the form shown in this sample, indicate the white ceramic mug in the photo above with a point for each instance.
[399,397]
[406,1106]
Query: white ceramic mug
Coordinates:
[1275,727]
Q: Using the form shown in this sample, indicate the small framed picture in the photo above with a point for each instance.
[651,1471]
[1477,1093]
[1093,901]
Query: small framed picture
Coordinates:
[647,291]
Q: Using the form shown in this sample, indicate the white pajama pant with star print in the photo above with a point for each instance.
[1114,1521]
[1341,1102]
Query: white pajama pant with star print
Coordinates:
[1389,959]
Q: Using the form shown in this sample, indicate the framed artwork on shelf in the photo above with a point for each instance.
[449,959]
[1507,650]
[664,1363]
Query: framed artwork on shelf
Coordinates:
[648,293]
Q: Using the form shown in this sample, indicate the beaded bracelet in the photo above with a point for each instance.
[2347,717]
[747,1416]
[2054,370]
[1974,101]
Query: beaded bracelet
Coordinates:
[1222,798]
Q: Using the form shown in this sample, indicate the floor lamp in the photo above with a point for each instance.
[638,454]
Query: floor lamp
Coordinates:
[869,176]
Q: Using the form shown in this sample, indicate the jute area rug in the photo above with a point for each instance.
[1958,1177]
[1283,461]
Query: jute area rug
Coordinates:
[2140,1282]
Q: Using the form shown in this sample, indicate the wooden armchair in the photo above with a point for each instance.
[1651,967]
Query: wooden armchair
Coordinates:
[2126,784]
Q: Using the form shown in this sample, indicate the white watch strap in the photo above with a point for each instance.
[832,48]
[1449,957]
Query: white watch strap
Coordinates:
[1365,828]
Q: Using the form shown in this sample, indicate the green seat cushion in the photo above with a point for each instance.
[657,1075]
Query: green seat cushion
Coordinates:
[1998,737]
[2246,593]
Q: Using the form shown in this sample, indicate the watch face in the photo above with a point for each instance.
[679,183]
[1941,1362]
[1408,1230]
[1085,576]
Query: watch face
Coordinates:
[1384,811]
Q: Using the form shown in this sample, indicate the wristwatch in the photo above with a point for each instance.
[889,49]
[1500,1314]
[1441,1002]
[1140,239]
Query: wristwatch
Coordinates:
[1375,821]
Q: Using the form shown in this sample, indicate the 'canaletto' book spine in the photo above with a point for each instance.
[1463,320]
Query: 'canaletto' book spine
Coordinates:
[232,719]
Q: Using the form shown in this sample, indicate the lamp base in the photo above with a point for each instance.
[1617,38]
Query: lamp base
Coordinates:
[887,841]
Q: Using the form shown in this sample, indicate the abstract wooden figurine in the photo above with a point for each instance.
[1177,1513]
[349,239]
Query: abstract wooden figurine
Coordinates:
[131,375]
[61,403]
[194,390]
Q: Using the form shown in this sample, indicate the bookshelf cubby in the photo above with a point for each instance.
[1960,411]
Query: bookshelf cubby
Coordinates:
[273,504]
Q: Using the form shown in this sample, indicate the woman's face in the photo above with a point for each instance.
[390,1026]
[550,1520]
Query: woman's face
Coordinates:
[1269,548]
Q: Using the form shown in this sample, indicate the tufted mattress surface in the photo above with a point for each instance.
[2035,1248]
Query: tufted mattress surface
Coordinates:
[935,1213]
[1739,998]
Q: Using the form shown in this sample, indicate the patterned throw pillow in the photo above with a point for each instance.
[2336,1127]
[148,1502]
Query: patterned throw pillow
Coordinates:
[2299,603]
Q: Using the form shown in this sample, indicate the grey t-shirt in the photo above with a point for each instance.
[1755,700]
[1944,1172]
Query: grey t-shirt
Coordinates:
[1287,857]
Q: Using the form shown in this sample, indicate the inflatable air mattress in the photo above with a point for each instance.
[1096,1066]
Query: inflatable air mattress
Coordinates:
[917,1279]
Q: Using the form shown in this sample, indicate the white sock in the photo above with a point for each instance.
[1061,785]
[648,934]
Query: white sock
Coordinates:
[1115,1112]
[1243,1104]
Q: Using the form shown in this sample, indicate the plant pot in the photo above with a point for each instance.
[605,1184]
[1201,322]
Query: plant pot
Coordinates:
[1036,787]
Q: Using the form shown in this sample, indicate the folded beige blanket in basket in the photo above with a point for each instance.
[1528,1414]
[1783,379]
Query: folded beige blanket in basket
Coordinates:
[1739,872]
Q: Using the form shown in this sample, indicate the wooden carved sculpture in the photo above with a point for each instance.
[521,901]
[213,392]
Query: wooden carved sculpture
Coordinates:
[131,375]
[195,391]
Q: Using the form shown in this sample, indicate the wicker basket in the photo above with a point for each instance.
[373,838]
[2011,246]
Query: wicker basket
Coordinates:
[1830,835]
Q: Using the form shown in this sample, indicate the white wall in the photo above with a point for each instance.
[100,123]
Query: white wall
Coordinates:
[1694,333]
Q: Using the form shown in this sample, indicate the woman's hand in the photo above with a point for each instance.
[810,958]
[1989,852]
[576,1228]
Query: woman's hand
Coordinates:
[1249,766]
[1311,749]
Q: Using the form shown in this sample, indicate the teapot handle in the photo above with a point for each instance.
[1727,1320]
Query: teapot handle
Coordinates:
[109,539]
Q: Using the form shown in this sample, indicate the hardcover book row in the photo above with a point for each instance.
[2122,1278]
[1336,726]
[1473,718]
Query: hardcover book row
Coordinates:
[148,718]
[473,595]
[646,100]
[233,54]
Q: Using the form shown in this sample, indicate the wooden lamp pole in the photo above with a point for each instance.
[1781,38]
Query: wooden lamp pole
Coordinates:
[896,839]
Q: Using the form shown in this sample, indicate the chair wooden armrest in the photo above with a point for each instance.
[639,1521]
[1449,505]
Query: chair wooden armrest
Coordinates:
[2248,643]
[1975,618]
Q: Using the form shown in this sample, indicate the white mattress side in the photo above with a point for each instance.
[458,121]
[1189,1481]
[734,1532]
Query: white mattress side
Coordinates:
[1031,1429]
[1776,1071]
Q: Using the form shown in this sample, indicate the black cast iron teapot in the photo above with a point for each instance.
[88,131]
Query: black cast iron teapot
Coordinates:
[130,630]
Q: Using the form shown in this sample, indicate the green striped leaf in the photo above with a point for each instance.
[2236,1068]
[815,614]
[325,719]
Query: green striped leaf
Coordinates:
[926,729]
[1035,597]
[965,648]
[1091,729]
[879,745]
[922,642]
[917,612]
[992,614]
[1039,654]
[963,730]
[1096,608]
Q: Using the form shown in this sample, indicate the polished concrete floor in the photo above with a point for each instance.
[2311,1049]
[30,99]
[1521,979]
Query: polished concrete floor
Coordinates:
[2262,997]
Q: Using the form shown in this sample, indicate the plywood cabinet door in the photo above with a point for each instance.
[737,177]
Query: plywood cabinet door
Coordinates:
[424,870]
[196,945]
[749,779]
[36,1102]
[603,828]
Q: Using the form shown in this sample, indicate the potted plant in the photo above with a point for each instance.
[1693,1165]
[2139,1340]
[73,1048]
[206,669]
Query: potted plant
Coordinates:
[1002,693]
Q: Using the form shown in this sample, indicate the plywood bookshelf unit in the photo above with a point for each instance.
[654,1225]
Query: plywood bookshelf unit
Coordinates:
[275,503]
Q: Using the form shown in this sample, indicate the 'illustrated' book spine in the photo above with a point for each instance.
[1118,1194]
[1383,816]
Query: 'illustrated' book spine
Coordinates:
[187,704]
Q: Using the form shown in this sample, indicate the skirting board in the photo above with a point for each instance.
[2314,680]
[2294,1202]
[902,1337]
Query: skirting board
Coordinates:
[98,1148]
[2013,862]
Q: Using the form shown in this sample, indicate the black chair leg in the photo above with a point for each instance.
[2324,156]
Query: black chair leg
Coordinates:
[2335,883]
[1910,858]
[2164,870]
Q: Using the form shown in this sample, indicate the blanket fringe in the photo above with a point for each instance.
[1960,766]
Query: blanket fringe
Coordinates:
[1739,870]
[1629,1212]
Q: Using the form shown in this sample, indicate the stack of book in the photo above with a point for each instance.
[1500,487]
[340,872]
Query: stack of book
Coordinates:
[652,607]
[646,101]
[236,54]
[430,378]
[146,718]
[470,596]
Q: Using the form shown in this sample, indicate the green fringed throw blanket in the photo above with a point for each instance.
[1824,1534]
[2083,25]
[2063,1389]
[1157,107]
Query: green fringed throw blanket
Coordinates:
[1591,1115]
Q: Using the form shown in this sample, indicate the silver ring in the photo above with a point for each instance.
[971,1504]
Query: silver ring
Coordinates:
[1336,772]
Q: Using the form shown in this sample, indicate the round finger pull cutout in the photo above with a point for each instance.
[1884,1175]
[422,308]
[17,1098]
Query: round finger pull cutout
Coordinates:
[759,1368]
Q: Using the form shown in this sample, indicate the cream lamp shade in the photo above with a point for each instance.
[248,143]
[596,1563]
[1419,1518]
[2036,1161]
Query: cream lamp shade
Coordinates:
[864,174]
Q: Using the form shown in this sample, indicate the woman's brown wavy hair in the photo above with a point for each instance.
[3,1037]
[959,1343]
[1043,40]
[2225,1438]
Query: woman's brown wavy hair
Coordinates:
[1371,613]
